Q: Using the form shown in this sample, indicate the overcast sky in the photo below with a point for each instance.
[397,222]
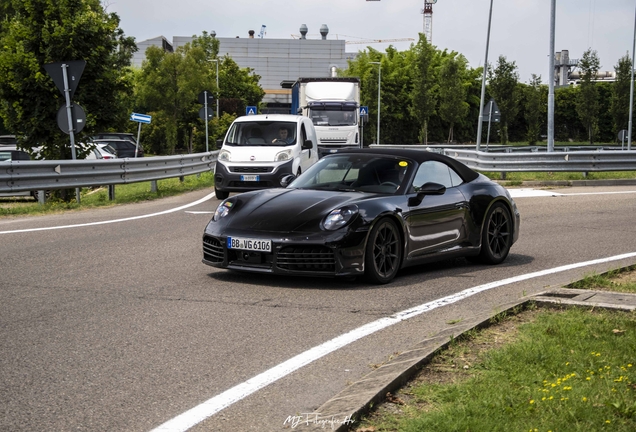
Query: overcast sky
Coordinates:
[520,28]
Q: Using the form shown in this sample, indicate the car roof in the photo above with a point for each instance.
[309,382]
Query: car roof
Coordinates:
[269,117]
[418,156]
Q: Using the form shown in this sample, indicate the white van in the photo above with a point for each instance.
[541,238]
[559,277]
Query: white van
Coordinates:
[259,150]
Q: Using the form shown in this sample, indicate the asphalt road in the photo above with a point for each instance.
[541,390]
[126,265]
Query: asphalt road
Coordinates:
[120,326]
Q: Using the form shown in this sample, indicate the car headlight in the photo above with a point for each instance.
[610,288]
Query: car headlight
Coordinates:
[223,210]
[224,156]
[283,156]
[340,217]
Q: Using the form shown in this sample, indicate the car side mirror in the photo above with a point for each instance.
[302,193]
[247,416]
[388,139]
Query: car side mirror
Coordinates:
[285,181]
[429,188]
[308,145]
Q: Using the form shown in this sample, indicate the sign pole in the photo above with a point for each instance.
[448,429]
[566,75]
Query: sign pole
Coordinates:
[67,96]
[138,138]
[205,105]
[489,118]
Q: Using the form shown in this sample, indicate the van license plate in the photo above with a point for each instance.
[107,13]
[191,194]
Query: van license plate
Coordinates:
[249,244]
[250,178]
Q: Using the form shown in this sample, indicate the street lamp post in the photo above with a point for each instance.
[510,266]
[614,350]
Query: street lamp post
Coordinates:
[217,86]
[379,86]
[483,83]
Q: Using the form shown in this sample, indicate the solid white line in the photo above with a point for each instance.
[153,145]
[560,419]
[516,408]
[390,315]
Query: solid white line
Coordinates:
[205,198]
[212,406]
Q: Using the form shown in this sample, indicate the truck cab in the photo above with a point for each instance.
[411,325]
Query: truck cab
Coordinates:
[332,103]
[259,150]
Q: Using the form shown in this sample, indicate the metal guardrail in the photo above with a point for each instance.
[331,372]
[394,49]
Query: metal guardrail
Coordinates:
[21,176]
[537,161]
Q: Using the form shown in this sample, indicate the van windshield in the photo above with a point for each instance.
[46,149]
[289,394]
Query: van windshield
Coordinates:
[261,133]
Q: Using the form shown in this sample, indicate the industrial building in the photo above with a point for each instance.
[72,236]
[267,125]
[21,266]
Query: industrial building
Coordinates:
[275,60]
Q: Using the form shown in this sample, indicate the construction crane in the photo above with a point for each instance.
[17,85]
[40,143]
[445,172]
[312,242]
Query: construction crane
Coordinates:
[428,19]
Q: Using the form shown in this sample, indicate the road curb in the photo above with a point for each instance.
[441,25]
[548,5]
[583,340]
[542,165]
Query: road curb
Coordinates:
[350,404]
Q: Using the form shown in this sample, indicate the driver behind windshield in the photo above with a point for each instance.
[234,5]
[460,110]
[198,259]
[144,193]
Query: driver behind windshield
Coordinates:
[283,136]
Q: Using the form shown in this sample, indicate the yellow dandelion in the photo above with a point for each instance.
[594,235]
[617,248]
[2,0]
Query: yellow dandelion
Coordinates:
[607,421]
[543,398]
[584,399]
[531,401]
[629,365]
[551,397]
[588,378]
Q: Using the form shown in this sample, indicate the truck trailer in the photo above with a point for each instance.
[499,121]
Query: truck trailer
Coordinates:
[333,106]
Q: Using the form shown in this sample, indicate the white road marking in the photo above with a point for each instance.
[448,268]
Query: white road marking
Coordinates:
[205,198]
[528,193]
[212,406]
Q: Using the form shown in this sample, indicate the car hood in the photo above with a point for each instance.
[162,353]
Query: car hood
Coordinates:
[286,210]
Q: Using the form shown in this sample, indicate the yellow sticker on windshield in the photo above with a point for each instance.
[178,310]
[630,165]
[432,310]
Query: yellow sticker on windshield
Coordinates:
[403,164]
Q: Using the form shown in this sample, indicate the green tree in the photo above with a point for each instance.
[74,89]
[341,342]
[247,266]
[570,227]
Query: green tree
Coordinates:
[425,86]
[533,109]
[588,101]
[503,87]
[452,94]
[39,32]
[619,102]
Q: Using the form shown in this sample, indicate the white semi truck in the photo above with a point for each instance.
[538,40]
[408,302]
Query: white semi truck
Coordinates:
[333,105]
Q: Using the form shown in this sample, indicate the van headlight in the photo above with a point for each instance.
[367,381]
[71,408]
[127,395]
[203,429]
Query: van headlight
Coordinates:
[283,156]
[224,156]
[340,217]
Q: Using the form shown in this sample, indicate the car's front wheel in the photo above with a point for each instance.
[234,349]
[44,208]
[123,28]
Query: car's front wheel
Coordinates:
[221,194]
[383,252]
[496,235]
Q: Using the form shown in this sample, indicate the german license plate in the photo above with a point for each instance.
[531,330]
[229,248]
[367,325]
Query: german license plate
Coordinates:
[249,244]
[250,178]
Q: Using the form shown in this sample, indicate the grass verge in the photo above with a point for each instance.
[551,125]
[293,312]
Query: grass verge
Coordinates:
[556,369]
[90,198]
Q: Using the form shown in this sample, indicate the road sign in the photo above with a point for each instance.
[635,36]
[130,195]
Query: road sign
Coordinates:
[78,118]
[622,135]
[250,110]
[141,118]
[74,70]
[205,94]
[491,112]
[202,115]
[364,110]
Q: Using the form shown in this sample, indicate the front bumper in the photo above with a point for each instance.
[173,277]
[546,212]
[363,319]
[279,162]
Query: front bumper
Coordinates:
[227,178]
[303,254]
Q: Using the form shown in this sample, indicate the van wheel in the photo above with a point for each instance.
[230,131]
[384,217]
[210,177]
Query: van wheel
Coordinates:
[221,194]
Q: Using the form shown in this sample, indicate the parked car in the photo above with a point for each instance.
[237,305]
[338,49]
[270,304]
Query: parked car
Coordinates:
[364,212]
[10,153]
[106,150]
[259,150]
[115,135]
[123,148]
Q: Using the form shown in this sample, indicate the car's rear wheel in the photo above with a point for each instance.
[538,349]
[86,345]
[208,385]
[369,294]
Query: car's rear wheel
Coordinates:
[221,194]
[383,252]
[496,235]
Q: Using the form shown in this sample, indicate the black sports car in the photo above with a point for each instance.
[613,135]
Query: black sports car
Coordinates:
[364,212]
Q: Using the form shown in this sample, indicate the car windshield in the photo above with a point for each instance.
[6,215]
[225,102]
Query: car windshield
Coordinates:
[333,118]
[261,133]
[5,156]
[357,172]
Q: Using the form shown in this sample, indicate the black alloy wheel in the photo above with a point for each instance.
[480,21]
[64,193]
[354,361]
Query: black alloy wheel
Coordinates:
[383,252]
[497,235]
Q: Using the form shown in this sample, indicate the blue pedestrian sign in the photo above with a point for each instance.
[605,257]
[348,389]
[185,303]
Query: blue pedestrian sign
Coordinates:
[250,110]
[141,118]
[364,110]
